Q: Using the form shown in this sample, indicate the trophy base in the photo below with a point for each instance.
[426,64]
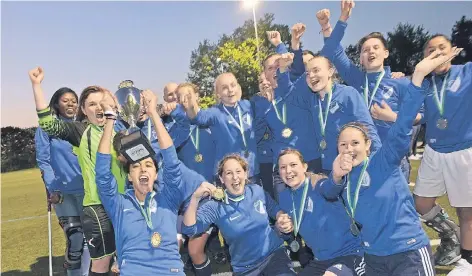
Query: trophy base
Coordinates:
[136,147]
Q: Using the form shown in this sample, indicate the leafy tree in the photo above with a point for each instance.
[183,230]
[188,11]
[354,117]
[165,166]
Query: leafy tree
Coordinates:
[236,53]
[462,37]
[240,60]
[207,101]
[204,66]
[353,54]
[405,44]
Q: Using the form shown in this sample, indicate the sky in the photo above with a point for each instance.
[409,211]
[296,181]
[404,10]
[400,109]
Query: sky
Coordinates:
[87,43]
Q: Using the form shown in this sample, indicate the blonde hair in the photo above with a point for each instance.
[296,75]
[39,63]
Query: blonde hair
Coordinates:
[233,156]
[291,151]
[215,86]
[188,85]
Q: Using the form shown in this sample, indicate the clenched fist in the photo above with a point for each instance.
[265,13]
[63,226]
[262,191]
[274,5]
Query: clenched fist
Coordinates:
[342,165]
[36,75]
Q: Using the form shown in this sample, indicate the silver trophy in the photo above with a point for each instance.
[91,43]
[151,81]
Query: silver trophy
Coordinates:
[135,146]
[129,98]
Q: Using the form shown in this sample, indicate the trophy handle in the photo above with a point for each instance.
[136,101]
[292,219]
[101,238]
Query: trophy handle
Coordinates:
[160,109]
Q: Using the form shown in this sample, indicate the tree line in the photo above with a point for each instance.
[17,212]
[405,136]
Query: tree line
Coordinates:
[237,53]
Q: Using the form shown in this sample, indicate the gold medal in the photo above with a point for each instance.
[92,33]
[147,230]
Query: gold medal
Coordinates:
[198,157]
[286,132]
[156,239]
[219,194]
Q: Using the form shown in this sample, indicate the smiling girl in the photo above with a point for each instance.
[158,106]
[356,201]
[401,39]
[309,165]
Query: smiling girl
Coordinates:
[84,136]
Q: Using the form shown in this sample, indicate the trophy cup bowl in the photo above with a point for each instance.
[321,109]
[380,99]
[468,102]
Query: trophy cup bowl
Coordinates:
[129,98]
[134,146]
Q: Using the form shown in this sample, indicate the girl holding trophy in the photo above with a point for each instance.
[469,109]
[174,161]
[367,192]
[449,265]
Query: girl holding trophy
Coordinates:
[145,219]
[84,135]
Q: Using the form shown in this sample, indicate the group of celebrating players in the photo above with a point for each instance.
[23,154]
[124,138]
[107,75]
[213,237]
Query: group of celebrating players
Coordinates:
[308,166]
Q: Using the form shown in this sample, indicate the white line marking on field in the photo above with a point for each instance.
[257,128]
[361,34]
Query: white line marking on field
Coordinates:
[26,218]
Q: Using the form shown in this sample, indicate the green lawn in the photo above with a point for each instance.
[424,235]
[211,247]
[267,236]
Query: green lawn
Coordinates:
[25,242]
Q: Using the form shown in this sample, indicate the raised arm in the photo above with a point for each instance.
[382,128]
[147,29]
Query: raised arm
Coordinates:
[298,93]
[297,31]
[43,155]
[323,18]
[397,143]
[106,182]
[36,76]
[69,131]
[298,67]
[197,116]
[333,50]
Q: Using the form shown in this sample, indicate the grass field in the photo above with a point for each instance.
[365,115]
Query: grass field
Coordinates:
[24,226]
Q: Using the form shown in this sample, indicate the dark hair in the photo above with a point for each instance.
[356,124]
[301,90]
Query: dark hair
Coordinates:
[127,167]
[54,102]
[357,125]
[308,52]
[433,37]
[377,35]
[83,97]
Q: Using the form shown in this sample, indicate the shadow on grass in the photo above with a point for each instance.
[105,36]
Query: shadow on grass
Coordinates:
[41,268]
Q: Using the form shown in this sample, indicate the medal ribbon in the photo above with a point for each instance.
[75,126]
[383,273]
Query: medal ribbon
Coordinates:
[366,89]
[284,112]
[196,141]
[149,129]
[439,102]
[296,225]
[235,199]
[146,209]
[320,113]
[352,203]
[240,125]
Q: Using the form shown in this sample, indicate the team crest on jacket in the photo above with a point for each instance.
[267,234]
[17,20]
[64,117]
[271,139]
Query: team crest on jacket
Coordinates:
[259,207]
[153,206]
[388,92]
[309,205]
[333,107]
[454,84]
[366,180]
[247,119]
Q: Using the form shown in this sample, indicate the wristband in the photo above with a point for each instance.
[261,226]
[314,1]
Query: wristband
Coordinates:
[327,28]
[110,113]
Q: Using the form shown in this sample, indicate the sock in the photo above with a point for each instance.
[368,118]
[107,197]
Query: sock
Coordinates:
[466,255]
[203,269]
